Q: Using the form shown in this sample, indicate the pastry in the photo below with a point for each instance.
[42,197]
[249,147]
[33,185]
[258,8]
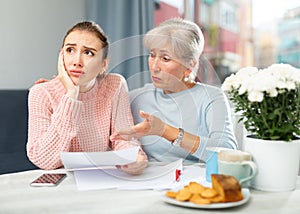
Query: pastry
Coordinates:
[227,187]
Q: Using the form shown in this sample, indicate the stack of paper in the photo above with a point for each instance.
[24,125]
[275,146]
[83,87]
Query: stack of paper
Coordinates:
[97,170]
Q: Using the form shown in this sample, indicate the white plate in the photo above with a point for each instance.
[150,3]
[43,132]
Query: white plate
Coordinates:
[246,197]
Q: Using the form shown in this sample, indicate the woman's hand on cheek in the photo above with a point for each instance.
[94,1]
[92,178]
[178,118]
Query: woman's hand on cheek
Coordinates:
[72,90]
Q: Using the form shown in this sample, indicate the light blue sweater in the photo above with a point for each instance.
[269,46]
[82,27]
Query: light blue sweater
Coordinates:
[202,110]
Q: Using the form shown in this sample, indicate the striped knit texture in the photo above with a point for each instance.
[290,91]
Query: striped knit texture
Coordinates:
[58,123]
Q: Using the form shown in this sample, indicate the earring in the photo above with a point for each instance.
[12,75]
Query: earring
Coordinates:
[186,79]
[102,73]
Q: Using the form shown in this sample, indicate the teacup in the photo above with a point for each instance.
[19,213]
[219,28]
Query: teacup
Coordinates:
[237,164]
[212,161]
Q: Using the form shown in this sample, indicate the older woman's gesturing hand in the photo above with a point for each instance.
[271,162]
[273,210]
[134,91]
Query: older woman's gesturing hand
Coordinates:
[150,126]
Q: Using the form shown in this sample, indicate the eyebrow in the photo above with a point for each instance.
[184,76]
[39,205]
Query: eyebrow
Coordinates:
[74,44]
[161,50]
[164,52]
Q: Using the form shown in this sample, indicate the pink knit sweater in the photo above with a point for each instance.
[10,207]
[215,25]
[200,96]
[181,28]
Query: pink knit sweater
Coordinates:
[58,123]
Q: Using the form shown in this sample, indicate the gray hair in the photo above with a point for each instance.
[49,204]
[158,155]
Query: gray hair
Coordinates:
[183,37]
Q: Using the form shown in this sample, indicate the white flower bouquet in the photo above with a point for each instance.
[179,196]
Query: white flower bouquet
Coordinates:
[268,100]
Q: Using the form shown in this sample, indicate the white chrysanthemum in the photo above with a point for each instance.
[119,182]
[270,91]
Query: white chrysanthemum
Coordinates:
[296,76]
[266,81]
[262,81]
[279,81]
[290,85]
[273,80]
[285,72]
[273,92]
[232,82]
[255,96]
[242,89]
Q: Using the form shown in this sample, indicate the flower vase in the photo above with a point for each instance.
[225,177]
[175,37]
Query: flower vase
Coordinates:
[277,162]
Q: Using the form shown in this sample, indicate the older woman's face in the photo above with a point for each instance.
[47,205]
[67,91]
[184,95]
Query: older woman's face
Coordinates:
[167,73]
[79,49]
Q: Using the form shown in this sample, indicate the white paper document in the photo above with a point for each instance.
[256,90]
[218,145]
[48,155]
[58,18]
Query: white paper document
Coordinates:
[96,170]
[90,160]
[154,177]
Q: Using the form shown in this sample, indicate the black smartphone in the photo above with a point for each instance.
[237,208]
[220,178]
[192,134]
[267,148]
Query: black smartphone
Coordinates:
[48,180]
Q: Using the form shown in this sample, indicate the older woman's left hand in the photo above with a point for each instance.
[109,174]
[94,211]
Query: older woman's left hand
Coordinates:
[150,126]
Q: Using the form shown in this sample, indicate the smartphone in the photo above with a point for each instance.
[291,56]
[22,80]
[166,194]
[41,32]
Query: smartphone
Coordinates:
[48,180]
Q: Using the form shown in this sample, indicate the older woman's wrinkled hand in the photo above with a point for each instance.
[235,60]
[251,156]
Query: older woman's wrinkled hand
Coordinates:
[152,125]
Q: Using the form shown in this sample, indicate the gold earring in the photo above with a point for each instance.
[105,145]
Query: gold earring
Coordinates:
[102,73]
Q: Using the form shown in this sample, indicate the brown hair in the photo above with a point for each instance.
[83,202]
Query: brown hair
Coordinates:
[91,27]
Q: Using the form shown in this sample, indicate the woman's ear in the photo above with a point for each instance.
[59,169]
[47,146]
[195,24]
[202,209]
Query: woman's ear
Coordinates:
[105,64]
[187,72]
[193,63]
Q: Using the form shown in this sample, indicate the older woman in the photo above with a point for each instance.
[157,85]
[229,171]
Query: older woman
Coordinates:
[176,117]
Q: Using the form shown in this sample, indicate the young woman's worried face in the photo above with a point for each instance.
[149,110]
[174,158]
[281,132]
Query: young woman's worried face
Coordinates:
[79,49]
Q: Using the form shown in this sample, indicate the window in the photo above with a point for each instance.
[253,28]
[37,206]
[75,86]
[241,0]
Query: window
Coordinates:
[228,19]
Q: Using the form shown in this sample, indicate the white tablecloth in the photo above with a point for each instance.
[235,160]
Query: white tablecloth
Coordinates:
[17,196]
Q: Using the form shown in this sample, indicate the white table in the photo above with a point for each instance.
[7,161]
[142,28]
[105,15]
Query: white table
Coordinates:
[16,196]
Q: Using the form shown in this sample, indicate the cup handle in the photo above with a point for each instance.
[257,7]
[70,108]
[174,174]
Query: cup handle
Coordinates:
[253,173]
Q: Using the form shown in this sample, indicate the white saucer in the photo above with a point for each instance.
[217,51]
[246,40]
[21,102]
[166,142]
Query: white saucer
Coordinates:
[246,197]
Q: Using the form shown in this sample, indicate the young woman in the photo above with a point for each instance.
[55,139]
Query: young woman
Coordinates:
[79,109]
[180,117]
